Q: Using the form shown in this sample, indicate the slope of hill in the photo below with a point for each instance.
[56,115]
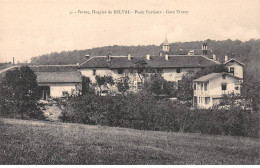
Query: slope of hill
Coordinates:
[41,142]
[243,51]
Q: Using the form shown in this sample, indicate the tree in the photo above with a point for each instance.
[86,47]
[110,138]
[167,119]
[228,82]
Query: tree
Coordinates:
[86,86]
[185,87]
[158,85]
[250,91]
[123,85]
[139,67]
[104,81]
[211,69]
[20,92]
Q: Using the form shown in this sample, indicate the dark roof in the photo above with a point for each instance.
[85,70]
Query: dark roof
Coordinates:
[59,77]
[154,62]
[213,75]
[53,68]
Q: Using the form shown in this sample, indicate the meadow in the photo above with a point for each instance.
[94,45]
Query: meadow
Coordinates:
[44,142]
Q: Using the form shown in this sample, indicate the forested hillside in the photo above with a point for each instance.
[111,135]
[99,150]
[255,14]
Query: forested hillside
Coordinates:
[247,52]
[243,51]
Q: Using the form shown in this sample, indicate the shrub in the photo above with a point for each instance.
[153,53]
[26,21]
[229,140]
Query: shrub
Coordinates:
[143,111]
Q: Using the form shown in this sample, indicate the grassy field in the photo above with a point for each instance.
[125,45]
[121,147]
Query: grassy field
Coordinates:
[41,142]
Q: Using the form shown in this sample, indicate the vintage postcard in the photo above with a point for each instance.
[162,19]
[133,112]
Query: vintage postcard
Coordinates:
[129,82]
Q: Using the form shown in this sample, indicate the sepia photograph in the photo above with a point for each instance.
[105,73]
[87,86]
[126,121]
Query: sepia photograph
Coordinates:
[172,82]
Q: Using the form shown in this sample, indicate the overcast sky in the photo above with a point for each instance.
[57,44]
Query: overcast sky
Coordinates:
[32,28]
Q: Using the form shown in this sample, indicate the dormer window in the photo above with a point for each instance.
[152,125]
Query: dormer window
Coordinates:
[178,70]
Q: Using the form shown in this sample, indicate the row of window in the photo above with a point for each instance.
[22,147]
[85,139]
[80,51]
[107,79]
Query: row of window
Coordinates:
[206,100]
[201,86]
[223,86]
[121,71]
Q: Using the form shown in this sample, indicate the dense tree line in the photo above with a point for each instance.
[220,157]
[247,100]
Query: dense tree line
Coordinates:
[243,51]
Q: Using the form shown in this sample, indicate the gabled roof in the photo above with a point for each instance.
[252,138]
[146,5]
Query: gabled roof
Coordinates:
[234,60]
[59,77]
[212,76]
[189,61]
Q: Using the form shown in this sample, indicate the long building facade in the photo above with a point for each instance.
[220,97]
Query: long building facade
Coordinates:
[171,64]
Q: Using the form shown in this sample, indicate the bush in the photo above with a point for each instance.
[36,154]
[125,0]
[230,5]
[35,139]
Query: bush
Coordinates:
[143,111]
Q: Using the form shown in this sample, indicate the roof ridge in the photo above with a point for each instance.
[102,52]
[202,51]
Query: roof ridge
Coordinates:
[85,61]
[210,59]
[234,60]
[52,65]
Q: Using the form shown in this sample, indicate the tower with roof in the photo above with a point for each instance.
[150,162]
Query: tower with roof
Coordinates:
[166,48]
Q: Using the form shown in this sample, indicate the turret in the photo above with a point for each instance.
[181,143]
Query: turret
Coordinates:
[166,46]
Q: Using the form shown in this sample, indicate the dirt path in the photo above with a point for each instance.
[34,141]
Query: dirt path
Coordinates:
[51,112]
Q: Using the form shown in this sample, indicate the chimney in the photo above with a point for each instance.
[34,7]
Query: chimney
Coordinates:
[204,49]
[214,57]
[13,60]
[226,58]
[148,57]
[129,56]
[166,56]
[109,57]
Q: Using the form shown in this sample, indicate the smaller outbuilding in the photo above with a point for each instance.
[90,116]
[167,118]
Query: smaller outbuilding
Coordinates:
[57,81]
[209,89]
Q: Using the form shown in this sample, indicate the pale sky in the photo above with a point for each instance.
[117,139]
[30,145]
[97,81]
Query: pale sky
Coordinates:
[34,27]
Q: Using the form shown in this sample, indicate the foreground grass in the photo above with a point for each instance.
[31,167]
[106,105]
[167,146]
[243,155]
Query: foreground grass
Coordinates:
[35,142]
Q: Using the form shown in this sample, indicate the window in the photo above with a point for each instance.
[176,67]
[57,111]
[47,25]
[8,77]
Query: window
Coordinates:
[178,70]
[65,93]
[224,76]
[94,72]
[194,86]
[139,85]
[207,100]
[232,70]
[224,86]
[120,71]
[205,86]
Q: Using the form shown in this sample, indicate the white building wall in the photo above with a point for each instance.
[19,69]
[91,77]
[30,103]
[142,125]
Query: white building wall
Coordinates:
[99,71]
[214,90]
[57,89]
[170,74]
[238,69]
